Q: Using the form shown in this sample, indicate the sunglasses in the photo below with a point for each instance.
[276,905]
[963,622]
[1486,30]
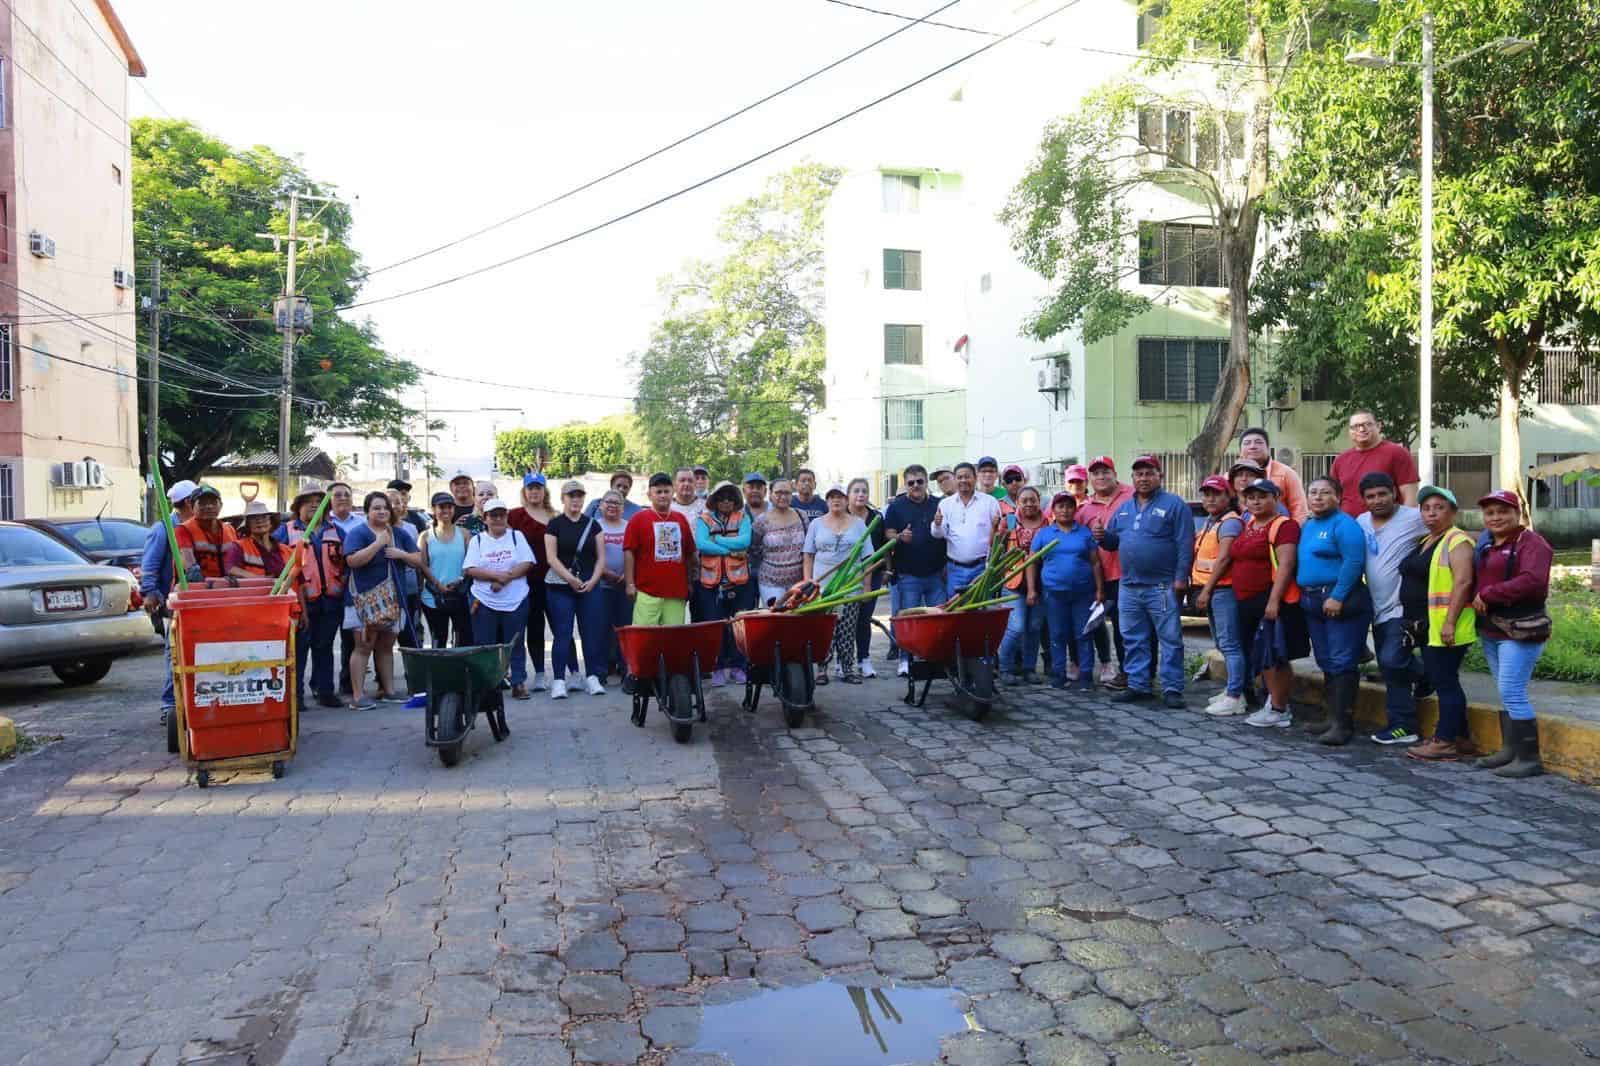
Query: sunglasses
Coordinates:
[913,482]
[1012,478]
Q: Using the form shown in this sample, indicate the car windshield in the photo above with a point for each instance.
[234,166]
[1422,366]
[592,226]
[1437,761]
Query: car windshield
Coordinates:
[105,536]
[21,546]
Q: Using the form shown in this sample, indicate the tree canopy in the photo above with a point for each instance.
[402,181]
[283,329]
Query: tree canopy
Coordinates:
[734,369]
[198,204]
[564,452]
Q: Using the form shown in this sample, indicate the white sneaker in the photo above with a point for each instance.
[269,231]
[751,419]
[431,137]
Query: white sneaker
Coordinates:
[1218,698]
[1108,673]
[1269,717]
[1225,706]
[866,668]
[1074,671]
[904,669]
[538,681]
[594,686]
[558,690]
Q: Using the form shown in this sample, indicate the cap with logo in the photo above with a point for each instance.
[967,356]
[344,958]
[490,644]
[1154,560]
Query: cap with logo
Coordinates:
[834,490]
[1063,497]
[1246,464]
[1217,483]
[441,497]
[460,475]
[181,491]
[987,460]
[1505,496]
[1013,468]
[1437,490]
[754,478]
[571,488]
[206,490]
[1262,484]
[1147,460]
[1102,460]
[1077,472]
[532,477]
[494,503]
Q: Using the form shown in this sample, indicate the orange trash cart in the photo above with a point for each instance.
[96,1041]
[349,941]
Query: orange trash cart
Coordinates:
[233,668]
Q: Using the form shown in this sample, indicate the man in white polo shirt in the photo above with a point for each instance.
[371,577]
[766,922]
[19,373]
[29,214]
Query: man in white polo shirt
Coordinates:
[966,522]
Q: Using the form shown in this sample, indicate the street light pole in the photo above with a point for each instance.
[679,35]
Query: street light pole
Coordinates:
[1425,356]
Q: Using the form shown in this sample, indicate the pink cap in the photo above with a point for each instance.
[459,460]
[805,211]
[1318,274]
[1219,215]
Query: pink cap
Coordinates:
[1218,482]
[1077,472]
[1505,496]
[1103,460]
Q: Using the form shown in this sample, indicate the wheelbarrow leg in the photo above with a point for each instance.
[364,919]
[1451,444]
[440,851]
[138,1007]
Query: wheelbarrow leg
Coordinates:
[699,691]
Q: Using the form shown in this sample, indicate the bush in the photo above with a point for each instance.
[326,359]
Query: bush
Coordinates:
[1573,652]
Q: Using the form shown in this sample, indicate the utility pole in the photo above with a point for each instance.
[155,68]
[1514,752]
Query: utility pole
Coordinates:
[152,430]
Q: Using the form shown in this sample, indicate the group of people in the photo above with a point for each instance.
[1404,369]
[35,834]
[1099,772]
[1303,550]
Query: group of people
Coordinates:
[1281,568]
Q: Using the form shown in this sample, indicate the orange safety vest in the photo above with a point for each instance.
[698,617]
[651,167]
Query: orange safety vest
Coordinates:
[252,561]
[714,569]
[1293,593]
[207,553]
[1021,536]
[323,570]
[1207,546]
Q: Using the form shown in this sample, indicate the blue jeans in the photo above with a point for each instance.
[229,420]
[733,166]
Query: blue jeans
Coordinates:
[323,618]
[1511,662]
[1069,613]
[169,698]
[1336,642]
[1225,634]
[501,627]
[1019,649]
[1399,668]
[1443,667]
[587,610]
[1150,615]
[618,613]
[710,606]
[529,645]
[910,591]
[958,577]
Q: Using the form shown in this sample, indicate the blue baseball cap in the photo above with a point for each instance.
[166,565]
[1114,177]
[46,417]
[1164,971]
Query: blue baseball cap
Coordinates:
[532,478]
[755,478]
[988,460]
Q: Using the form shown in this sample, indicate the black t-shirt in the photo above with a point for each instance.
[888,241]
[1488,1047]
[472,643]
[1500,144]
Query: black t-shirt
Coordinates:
[1414,582]
[567,534]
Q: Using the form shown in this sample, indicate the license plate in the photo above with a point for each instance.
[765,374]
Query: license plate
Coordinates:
[65,600]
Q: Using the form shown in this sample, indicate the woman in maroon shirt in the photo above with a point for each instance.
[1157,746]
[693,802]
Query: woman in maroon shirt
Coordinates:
[1512,567]
[530,520]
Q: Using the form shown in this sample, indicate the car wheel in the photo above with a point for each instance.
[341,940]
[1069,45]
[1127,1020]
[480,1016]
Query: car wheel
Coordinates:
[82,671]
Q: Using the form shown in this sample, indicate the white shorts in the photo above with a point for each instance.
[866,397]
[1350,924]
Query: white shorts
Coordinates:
[351,621]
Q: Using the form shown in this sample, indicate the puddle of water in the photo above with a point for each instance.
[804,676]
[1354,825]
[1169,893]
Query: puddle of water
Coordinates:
[828,1024]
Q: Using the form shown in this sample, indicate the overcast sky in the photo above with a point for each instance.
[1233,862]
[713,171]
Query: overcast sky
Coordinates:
[443,118]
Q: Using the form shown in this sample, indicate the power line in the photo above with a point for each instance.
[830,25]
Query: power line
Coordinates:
[119,142]
[118,112]
[135,376]
[715,177]
[608,175]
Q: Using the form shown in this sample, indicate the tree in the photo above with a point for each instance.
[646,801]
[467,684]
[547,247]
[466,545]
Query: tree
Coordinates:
[734,369]
[1179,124]
[198,204]
[1517,189]
[564,452]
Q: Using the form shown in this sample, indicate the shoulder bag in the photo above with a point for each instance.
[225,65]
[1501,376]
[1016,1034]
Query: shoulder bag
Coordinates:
[1532,628]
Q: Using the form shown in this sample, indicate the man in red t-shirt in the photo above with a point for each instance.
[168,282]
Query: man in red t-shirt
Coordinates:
[1372,454]
[658,559]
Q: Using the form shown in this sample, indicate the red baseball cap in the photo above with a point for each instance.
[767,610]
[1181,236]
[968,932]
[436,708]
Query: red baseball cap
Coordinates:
[1505,496]
[1145,460]
[1078,472]
[1013,468]
[1218,482]
[1105,461]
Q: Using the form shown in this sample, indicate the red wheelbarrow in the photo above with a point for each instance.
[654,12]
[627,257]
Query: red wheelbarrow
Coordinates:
[664,662]
[959,645]
[783,648]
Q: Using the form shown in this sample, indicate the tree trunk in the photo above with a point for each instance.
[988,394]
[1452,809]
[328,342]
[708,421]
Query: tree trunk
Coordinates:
[1233,386]
[1513,367]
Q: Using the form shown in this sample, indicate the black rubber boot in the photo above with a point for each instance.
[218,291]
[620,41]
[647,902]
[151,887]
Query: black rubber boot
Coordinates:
[1341,710]
[1507,751]
[1525,739]
[1330,700]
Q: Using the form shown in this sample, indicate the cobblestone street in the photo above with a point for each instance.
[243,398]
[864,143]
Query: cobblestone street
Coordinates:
[1101,884]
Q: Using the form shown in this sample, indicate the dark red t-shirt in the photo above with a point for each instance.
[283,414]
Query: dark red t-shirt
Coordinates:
[1251,566]
[532,530]
[661,544]
[1351,466]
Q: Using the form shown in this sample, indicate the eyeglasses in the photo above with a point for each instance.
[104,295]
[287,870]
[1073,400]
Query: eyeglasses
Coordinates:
[912,483]
[1011,478]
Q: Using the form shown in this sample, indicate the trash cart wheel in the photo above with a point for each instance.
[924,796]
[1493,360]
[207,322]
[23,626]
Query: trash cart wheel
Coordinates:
[793,695]
[977,683]
[505,729]
[454,717]
[680,708]
[172,730]
[202,778]
[277,769]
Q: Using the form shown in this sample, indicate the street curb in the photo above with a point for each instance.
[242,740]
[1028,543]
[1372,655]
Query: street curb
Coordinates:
[1567,746]
[8,737]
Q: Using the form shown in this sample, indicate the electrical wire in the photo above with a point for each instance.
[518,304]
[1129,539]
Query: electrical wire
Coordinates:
[685,139]
[64,64]
[135,376]
[119,142]
[569,238]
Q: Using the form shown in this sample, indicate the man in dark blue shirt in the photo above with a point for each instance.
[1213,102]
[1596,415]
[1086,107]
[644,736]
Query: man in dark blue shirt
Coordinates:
[918,558]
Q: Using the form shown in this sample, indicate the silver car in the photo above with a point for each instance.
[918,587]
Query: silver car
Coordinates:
[59,609]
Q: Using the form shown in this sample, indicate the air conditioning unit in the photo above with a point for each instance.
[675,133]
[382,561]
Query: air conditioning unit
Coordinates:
[41,246]
[94,474]
[1287,400]
[122,278]
[69,475]
[1055,377]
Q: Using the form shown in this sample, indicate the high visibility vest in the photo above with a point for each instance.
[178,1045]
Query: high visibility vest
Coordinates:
[1021,536]
[207,553]
[253,563]
[1292,594]
[1207,546]
[322,569]
[1440,582]
[714,568]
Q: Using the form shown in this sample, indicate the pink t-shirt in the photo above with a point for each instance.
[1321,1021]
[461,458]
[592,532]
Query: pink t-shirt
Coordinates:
[1094,511]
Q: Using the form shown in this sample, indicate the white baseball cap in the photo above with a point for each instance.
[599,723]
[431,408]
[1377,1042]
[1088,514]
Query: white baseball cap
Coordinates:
[181,491]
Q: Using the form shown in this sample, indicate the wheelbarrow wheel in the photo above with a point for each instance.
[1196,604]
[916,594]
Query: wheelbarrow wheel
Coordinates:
[977,677]
[202,778]
[505,729]
[793,695]
[680,708]
[277,770]
[451,713]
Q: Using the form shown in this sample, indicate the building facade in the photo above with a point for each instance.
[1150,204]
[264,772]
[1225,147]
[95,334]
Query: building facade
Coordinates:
[69,367]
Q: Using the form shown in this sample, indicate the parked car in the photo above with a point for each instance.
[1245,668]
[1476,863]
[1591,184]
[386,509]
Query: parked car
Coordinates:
[118,541]
[59,608]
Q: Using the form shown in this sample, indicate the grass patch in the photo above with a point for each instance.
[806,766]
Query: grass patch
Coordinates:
[1573,652]
[1194,664]
[28,742]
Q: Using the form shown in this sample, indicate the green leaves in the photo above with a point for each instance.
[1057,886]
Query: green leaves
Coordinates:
[565,452]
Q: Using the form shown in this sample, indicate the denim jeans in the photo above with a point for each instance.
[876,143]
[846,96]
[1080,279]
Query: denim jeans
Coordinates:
[323,617]
[1443,667]
[501,627]
[1069,613]
[587,611]
[709,605]
[1019,649]
[1225,634]
[1336,642]
[618,613]
[169,697]
[958,577]
[1398,666]
[1150,616]
[910,591]
[1511,662]
[1103,642]
[530,642]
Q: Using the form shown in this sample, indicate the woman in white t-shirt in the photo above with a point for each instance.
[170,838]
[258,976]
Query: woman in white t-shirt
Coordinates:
[498,561]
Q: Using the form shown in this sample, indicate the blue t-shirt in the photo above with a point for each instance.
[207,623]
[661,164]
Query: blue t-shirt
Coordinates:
[1332,551]
[366,578]
[1070,567]
[925,555]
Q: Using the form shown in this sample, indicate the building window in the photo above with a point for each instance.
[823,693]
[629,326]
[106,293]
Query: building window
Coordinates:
[1470,477]
[1566,377]
[1319,386]
[7,364]
[8,492]
[902,269]
[902,194]
[116,173]
[1194,138]
[1313,465]
[902,420]
[1148,21]
[1553,492]
[5,101]
[1179,369]
[1172,253]
[902,345]
[5,229]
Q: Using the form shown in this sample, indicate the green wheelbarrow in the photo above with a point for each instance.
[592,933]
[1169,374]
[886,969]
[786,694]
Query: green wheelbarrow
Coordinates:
[460,683]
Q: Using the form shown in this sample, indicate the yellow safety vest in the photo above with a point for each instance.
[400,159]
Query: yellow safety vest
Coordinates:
[1440,582]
